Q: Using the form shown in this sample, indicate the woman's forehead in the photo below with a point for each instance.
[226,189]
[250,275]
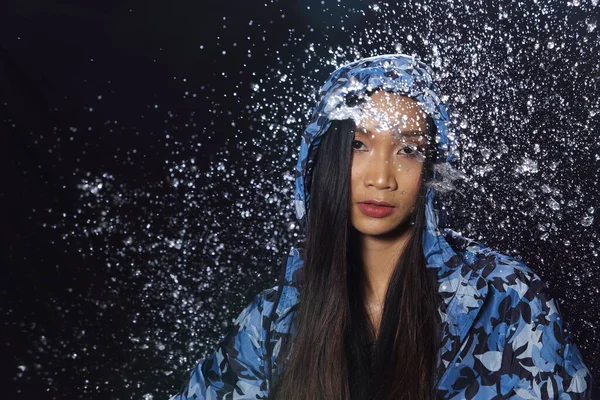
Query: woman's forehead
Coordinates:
[385,111]
[393,136]
[404,125]
[394,131]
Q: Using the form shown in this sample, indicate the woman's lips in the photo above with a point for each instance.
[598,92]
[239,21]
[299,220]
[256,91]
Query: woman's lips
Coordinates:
[374,211]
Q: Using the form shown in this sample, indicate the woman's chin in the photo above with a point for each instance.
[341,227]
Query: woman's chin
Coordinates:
[383,229]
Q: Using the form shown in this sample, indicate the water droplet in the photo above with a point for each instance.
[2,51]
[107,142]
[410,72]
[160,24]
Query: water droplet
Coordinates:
[553,204]
[587,220]
[528,166]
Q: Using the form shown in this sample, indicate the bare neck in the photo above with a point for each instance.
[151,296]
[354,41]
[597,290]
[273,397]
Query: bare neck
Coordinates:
[379,256]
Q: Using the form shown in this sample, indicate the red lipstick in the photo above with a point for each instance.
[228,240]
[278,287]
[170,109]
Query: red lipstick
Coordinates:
[376,209]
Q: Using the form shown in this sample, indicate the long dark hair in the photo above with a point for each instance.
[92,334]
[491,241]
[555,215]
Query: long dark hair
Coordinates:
[334,355]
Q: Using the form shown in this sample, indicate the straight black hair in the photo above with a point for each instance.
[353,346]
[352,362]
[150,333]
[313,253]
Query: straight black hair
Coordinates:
[334,354]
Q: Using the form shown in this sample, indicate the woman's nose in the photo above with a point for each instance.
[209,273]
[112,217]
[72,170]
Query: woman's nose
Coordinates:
[380,173]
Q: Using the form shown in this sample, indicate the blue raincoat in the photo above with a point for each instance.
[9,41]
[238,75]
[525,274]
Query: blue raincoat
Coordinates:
[503,336]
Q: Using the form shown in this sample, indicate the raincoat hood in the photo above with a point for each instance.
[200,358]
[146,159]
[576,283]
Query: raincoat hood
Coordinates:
[397,73]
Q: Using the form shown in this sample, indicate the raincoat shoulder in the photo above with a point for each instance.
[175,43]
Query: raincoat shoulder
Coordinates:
[507,338]
[238,367]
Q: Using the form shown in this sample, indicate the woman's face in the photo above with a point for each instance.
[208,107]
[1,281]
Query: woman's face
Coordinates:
[387,160]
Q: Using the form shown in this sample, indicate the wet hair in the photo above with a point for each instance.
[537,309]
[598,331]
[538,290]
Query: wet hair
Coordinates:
[333,354]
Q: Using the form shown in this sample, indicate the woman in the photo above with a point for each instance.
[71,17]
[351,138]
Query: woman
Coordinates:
[379,302]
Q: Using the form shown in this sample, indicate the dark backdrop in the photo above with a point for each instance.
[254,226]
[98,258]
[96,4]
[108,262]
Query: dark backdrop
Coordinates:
[148,150]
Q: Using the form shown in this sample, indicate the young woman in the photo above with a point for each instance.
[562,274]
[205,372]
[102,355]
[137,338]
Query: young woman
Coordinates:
[380,302]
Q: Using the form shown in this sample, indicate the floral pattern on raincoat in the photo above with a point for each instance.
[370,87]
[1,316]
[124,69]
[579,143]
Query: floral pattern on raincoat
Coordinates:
[503,336]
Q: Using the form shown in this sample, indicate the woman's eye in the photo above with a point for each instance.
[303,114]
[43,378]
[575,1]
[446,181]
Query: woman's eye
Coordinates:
[409,149]
[357,144]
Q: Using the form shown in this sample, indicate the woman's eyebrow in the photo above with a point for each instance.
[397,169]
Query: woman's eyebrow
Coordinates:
[408,133]
[395,131]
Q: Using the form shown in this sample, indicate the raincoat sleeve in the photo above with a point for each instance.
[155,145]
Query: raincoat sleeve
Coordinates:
[540,358]
[236,369]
